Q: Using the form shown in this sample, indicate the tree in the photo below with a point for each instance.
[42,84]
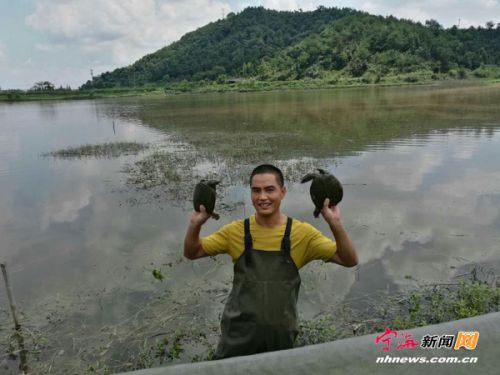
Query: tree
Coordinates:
[433,24]
[358,66]
[274,45]
[43,86]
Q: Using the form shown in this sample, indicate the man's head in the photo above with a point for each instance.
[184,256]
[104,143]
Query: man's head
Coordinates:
[268,190]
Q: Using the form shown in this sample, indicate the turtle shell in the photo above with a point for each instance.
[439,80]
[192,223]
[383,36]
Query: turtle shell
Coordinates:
[324,185]
[204,194]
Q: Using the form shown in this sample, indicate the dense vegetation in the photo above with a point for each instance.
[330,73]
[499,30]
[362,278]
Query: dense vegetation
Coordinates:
[327,43]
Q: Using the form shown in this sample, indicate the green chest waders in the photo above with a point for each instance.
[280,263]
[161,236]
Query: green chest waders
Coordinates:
[261,311]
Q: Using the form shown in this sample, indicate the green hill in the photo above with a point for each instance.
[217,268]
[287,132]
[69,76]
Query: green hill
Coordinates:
[326,43]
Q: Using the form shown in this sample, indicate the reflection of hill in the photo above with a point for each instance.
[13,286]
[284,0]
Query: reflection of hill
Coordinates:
[225,136]
[322,123]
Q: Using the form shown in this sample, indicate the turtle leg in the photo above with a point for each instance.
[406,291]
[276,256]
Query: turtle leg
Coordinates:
[215,216]
[316,212]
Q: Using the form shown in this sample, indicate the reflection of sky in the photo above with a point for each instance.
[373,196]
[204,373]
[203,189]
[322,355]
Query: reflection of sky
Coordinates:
[426,209]
[415,207]
[49,206]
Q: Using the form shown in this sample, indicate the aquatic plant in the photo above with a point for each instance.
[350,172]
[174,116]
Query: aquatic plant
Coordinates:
[158,275]
[105,150]
[430,305]
[154,334]
[170,174]
[156,169]
[315,331]
[438,304]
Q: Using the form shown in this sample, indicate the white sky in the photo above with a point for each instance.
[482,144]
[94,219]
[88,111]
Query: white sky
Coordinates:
[61,40]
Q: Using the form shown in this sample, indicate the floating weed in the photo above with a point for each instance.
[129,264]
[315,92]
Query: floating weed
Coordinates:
[105,150]
[157,169]
[171,175]
[317,331]
[241,147]
[158,275]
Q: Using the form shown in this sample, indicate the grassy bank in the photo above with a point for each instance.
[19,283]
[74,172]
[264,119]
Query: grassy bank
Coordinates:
[482,75]
[22,96]
[485,74]
[427,305]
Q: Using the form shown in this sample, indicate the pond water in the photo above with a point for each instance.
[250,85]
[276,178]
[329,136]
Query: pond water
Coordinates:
[421,174]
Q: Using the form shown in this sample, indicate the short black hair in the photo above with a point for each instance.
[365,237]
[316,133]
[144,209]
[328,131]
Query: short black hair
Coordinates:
[268,168]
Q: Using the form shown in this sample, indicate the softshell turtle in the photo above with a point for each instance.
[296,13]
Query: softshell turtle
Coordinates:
[204,194]
[324,185]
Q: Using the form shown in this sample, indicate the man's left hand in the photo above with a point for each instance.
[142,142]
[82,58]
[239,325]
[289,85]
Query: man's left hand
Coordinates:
[330,213]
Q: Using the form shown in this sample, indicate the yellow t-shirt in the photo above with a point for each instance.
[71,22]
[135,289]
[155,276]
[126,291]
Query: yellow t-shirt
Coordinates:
[307,242]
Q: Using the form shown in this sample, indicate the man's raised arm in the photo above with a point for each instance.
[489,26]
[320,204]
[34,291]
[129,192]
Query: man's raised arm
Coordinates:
[192,244]
[346,252]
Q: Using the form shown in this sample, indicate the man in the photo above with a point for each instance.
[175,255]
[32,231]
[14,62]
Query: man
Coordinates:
[268,249]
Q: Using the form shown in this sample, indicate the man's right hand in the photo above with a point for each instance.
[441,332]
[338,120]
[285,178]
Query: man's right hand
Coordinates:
[199,218]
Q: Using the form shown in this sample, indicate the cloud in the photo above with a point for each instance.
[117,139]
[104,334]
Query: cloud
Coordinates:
[417,11]
[49,47]
[403,169]
[446,12]
[3,56]
[66,208]
[489,4]
[28,63]
[106,34]
[288,5]
[124,29]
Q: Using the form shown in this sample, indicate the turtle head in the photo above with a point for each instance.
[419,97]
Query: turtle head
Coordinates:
[322,171]
[212,183]
[308,177]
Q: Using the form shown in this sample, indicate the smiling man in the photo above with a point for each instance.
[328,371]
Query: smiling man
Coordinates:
[267,249]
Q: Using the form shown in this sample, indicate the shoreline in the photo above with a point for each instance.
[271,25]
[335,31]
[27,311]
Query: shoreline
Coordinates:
[254,86]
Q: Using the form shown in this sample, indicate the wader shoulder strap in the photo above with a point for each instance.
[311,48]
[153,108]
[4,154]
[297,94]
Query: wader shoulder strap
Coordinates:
[248,242]
[285,243]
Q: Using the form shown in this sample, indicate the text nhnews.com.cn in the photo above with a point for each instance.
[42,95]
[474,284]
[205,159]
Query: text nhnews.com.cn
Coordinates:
[462,340]
[433,360]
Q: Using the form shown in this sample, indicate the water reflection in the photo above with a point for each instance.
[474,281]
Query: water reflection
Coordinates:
[427,224]
[418,172]
[321,123]
[422,196]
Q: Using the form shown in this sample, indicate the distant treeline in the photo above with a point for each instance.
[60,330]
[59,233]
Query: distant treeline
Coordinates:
[273,45]
[69,94]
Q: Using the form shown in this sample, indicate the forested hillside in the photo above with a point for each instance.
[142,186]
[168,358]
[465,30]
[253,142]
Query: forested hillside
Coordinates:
[271,45]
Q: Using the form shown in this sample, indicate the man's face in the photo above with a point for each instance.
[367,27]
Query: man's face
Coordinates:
[267,194]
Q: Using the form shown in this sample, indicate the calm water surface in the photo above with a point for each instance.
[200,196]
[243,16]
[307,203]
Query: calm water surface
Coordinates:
[422,198]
